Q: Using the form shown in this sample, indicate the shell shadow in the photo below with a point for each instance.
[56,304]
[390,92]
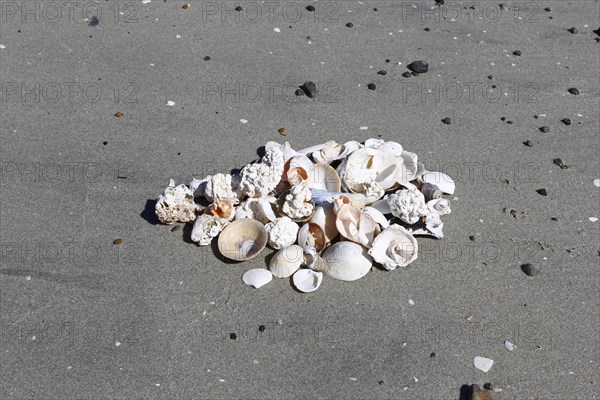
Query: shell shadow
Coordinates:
[465,392]
[214,245]
[148,213]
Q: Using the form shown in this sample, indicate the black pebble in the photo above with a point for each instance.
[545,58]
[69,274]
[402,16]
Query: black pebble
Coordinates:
[509,122]
[105,143]
[547,9]
[432,355]
[232,336]
[559,162]
[349,24]
[517,53]
[238,8]
[545,129]
[175,228]
[380,382]
[502,119]
[528,143]
[490,76]
[207,58]
[299,92]
[94,21]
[426,29]
[472,238]
[387,60]
[573,30]
[310,8]
[261,328]
[447,120]
[574,91]
[309,88]
[420,67]
[407,74]
[372,86]
[375,9]
[382,72]
[528,269]
[439,2]
[566,121]
[543,192]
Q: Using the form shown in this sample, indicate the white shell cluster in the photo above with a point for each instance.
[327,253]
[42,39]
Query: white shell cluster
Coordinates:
[333,209]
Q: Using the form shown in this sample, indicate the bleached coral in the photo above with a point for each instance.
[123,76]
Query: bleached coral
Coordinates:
[282,232]
[206,228]
[297,202]
[176,204]
[408,205]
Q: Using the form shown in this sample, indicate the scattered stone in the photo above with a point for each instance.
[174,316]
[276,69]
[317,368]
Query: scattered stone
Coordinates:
[439,2]
[349,24]
[387,60]
[447,120]
[238,8]
[419,67]
[545,129]
[509,122]
[310,8]
[118,114]
[375,9]
[261,328]
[483,364]
[207,58]
[547,9]
[543,192]
[472,238]
[299,92]
[490,77]
[508,345]
[432,354]
[517,53]
[427,29]
[380,382]
[573,30]
[118,241]
[528,269]
[502,119]
[232,336]
[566,121]
[94,21]
[372,86]
[281,131]
[175,228]
[407,74]
[504,6]
[559,162]
[574,91]
[382,72]
[185,6]
[528,143]
[309,88]
[105,143]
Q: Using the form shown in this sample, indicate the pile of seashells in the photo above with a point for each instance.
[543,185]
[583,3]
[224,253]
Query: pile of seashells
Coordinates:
[375,197]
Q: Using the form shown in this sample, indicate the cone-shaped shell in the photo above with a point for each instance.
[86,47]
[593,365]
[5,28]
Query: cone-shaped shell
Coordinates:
[243,239]
[347,261]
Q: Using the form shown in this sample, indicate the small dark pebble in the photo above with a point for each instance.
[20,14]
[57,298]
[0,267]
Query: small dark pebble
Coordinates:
[310,8]
[517,53]
[261,328]
[94,21]
[175,228]
[232,336]
[375,9]
[488,386]
[447,121]
[554,219]
[573,30]
[299,92]
[502,119]
[528,143]
[420,67]
[439,2]
[380,382]
[118,241]
[105,143]
[387,60]
[545,129]
[574,91]
[426,29]
[472,238]
[543,192]
[238,8]
[349,24]
[407,74]
[413,73]
[432,355]
[535,117]
[382,72]
[528,269]
[566,121]
[490,76]
[504,6]
[559,162]
[206,58]
[309,88]
[509,122]
[372,86]
[547,9]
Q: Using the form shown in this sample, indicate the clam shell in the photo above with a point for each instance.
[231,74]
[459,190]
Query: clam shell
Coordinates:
[257,277]
[347,261]
[312,235]
[243,239]
[286,261]
[324,177]
[441,180]
[324,216]
[306,280]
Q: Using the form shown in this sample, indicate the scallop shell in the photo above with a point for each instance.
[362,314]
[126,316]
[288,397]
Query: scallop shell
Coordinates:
[286,261]
[347,261]
[243,239]
[312,235]
[306,280]
[257,277]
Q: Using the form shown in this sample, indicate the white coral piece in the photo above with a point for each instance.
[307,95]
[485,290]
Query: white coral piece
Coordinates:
[206,228]
[282,232]
[258,180]
[221,187]
[408,205]
[297,202]
[373,191]
[176,204]
[275,159]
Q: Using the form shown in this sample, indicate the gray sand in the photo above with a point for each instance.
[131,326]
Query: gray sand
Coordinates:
[152,317]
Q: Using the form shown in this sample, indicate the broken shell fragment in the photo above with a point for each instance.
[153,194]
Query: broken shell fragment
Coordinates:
[312,259]
[312,235]
[286,261]
[440,206]
[441,180]
[176,204]
[394,247]
[257,277]
[431,191]
[242,239]
[306,280]
[323,177]
[282,232]
[219,186]
[222,209]
[347,261]
[259,209]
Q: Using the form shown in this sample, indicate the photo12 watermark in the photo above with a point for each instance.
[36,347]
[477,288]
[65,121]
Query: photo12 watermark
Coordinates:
[56,12]
[20,172]
[68,92]
[235,92]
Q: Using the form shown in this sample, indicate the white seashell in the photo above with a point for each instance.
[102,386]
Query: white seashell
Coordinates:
[206,228]
[377,216]
[296,203]
[373,191]
[176,204]
[221,209]
[441,180]
[332,151]
[282,232]
[243,239]
[390,147]
[323,177]
[324,216]
[312,235]
[408,205]
[355,225]
[312,259]
[347,261]
[257,277]
[306,280]
[220,186]
[483,364]
[508,345]
[368,164]
[394,247]
[259,209]
[297,168]
[198,186]
[286,261]
[440,206]
[431,191]
[432,226]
